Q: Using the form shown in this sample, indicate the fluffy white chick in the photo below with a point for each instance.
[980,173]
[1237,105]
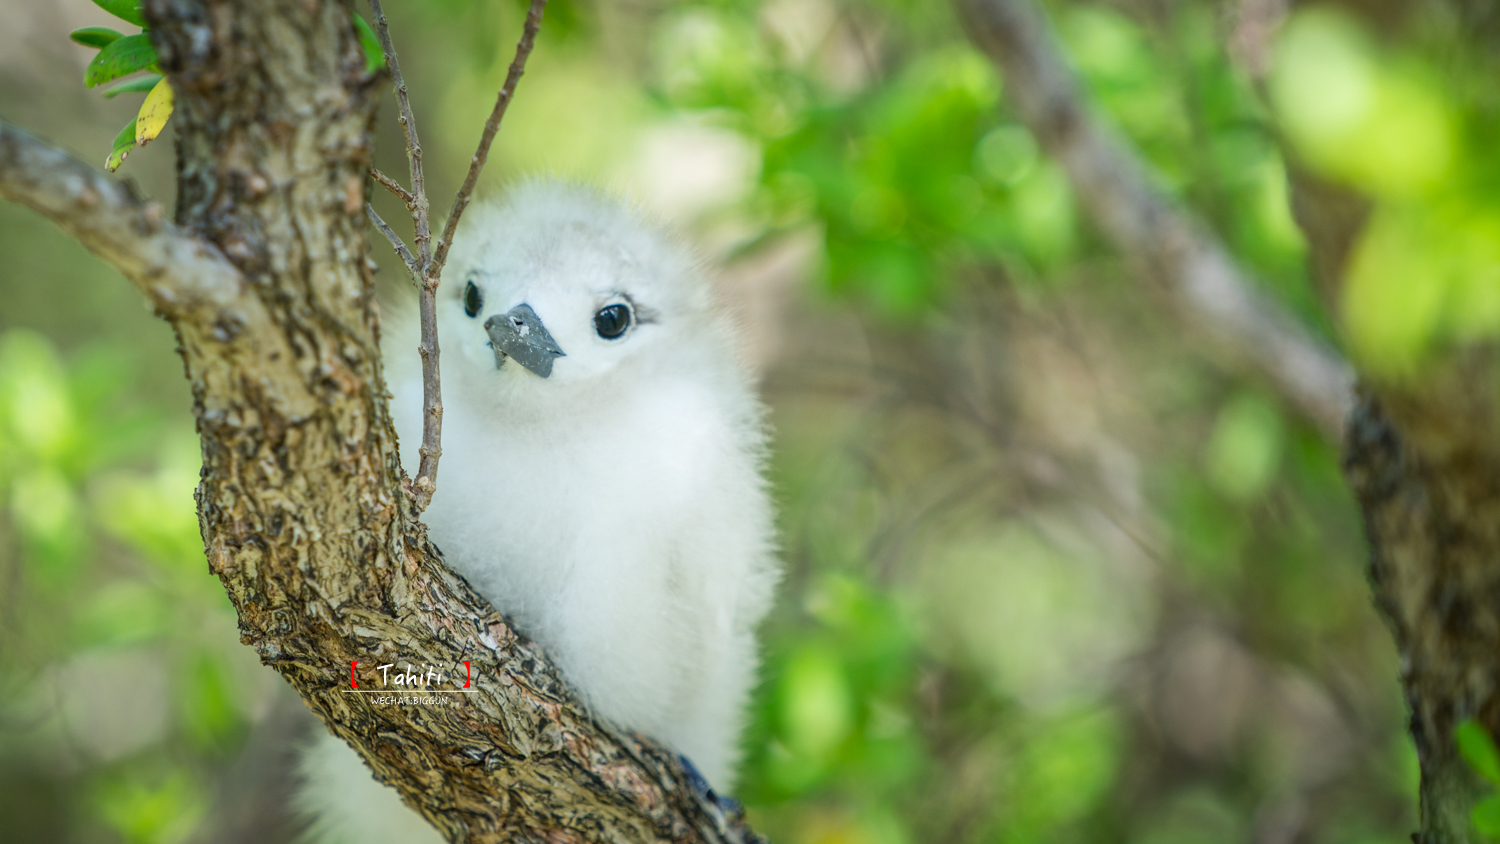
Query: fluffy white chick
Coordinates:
[601,476]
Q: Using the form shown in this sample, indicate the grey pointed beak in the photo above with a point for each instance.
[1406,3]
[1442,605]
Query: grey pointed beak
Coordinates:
[519,334]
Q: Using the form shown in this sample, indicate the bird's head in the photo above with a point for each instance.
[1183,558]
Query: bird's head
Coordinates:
[556,291]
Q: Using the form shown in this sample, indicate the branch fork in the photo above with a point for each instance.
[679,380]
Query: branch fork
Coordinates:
[302,508]
[426,265]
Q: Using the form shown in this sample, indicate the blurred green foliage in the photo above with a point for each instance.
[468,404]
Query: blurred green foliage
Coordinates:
[109,574]
[1051,578]
[1402,124]
[1478,749]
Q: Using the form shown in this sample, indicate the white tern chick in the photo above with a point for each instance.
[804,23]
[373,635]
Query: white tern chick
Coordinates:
[600,481]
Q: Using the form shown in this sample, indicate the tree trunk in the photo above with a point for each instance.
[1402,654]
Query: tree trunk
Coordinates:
[304,510]
[1422,456]
[1427,478]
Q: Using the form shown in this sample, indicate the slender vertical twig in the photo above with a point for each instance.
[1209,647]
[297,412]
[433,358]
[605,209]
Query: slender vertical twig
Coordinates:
[491,126]
[425,267]
[432,389]
[420,215]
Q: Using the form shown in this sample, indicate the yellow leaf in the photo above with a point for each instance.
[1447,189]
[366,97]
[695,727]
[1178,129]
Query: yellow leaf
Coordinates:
[154,113]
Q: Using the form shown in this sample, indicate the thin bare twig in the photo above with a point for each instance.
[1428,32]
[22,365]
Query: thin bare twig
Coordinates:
[491,126]
[425,267]
[1198,278]
[427,281]
[405,254]
[420,215]
[395,187]
[431,448]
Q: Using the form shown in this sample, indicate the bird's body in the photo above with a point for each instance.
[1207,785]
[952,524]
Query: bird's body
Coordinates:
[601,478]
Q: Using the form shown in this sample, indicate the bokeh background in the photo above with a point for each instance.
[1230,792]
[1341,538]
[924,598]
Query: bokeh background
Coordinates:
[1051,574]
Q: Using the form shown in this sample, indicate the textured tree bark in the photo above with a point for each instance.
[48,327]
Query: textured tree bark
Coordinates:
[266,279]
[1422,457]
[1429,488]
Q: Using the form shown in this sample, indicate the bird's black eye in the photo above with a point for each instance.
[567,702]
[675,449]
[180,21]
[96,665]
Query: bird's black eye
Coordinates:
[612,321]
[473,299]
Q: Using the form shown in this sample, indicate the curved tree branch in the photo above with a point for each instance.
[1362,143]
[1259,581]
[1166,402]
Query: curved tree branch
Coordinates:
[1179,257]
[266,278]
[186,278]
[178,272]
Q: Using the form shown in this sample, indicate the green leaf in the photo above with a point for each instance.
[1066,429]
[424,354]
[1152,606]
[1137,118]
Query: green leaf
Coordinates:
[1486,816]
[123,56]
[126,10]
[94,36]
[374,56]
[137,85]
[124,143]
[1476,745]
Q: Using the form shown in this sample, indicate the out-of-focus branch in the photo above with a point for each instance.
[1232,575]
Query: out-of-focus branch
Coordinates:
[1172,252]
[185,278]
[1421,454]
[177,271]
[1422,464]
